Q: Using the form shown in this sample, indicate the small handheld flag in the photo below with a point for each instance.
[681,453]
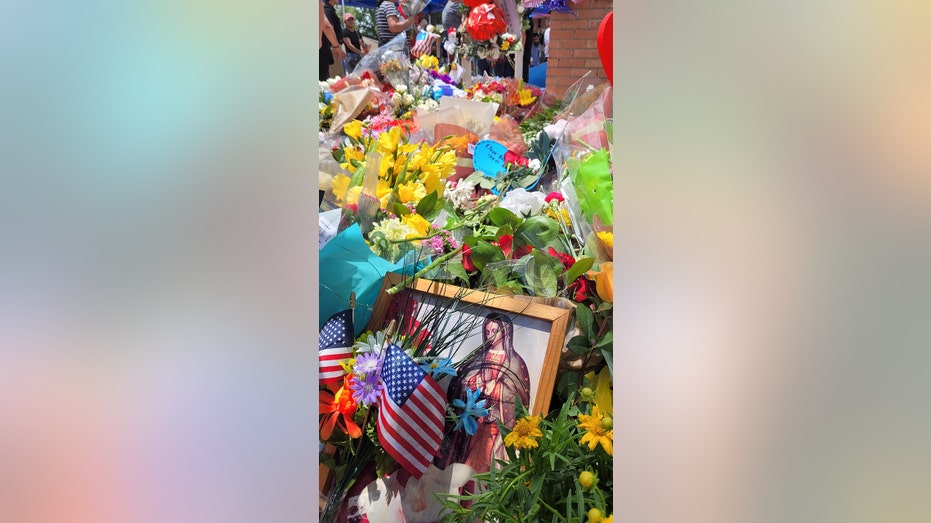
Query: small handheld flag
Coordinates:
[411,412]
[335,346]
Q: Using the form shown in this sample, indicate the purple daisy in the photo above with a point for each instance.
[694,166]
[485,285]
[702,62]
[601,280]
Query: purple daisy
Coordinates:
[366,390]
[367,363]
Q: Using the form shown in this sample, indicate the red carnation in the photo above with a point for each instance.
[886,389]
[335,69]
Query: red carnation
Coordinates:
[555,196]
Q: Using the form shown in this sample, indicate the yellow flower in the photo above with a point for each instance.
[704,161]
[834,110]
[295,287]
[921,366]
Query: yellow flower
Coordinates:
[352,195]
[386,166]
[411,192]
[609,519]
[525,430]
[388,141]
[563,216]
[526,96]
[607,239]
[353,130]
[505,45]
[340,185]
[383,192]
[416,222]
[596,430]
[604,282]
[352,154]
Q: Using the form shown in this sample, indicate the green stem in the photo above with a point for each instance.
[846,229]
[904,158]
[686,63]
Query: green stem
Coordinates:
[397,288]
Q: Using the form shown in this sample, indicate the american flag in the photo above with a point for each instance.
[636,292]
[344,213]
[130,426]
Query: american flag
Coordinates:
[335,346]
[424,43]
[411,412]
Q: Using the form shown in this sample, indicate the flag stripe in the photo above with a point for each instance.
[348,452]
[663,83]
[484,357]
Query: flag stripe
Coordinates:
[416,430]
[335,346]
[411,412]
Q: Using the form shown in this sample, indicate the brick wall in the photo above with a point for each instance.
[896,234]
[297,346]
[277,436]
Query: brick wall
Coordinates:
[574,44]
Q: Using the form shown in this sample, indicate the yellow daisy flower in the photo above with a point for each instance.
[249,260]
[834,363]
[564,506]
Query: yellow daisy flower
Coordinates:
[525,430]
[599,430]
[607,238]
[416,222]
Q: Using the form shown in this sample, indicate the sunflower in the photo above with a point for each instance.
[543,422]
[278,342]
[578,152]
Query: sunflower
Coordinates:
[525,430]
[598,429]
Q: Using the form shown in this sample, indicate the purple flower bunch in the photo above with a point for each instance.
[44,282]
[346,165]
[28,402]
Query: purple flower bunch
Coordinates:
[366,386]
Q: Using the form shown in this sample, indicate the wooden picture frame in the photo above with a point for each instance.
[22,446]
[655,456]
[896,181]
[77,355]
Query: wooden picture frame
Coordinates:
[543,367]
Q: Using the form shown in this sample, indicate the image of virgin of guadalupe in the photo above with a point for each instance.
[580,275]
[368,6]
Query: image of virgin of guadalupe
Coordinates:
[501,375]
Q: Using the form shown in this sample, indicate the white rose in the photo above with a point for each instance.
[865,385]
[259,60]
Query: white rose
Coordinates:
[520,9]
[407,99]
[395,98]
[401,89]
[523,203]
[431,28]
[555,130]
[534,164]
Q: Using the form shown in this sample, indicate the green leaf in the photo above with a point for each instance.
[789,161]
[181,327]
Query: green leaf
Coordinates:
[578,268]
[579,345]
[606,341]
[542,274]
[484,253]
[538,231]
[501,216]
[400,209]
[586,321]
[427,204]
[609,361]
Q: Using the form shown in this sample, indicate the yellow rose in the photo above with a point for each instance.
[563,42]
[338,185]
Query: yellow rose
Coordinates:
[604,282]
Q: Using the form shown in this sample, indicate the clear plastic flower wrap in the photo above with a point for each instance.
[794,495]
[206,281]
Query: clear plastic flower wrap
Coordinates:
[390,61]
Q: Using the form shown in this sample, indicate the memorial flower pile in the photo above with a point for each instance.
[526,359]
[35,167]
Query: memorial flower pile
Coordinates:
[513,199]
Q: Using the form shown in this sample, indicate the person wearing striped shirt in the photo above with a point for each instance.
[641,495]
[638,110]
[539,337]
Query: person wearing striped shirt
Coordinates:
[388,21]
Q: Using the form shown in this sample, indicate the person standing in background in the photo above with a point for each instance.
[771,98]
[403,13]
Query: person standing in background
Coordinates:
[330,48]
[388,21]
[546,43]
[329,9]
[355,46]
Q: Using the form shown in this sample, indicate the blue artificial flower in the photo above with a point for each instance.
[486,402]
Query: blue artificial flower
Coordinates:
[472,409]
[436,367]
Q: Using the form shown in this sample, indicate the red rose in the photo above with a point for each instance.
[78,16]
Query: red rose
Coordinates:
[555,196]
[567,261]
[581,289]
[522,251]
[467,262]
[514,158]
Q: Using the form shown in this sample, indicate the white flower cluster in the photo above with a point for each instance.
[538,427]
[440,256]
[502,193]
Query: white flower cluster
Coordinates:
[460,194]
[428,105]
[534,164]
[523,203]
[393,229]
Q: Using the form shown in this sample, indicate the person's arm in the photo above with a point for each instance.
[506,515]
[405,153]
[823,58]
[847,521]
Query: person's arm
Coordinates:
[396,26]
[348,42]
[332,41]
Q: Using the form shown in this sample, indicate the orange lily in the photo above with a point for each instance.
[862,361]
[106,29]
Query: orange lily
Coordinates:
[337,410]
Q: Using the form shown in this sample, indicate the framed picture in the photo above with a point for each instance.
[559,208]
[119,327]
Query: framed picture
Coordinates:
[504,348]
[533,333]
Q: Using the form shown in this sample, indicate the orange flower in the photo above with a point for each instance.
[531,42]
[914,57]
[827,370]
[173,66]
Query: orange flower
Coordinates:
[604,282]
[337,410]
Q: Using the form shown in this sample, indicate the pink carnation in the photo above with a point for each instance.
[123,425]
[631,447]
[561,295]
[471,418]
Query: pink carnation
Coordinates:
[555,196]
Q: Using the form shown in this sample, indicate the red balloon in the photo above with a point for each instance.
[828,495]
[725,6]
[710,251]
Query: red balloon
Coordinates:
[606,45]
[486,22]
[474,3]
